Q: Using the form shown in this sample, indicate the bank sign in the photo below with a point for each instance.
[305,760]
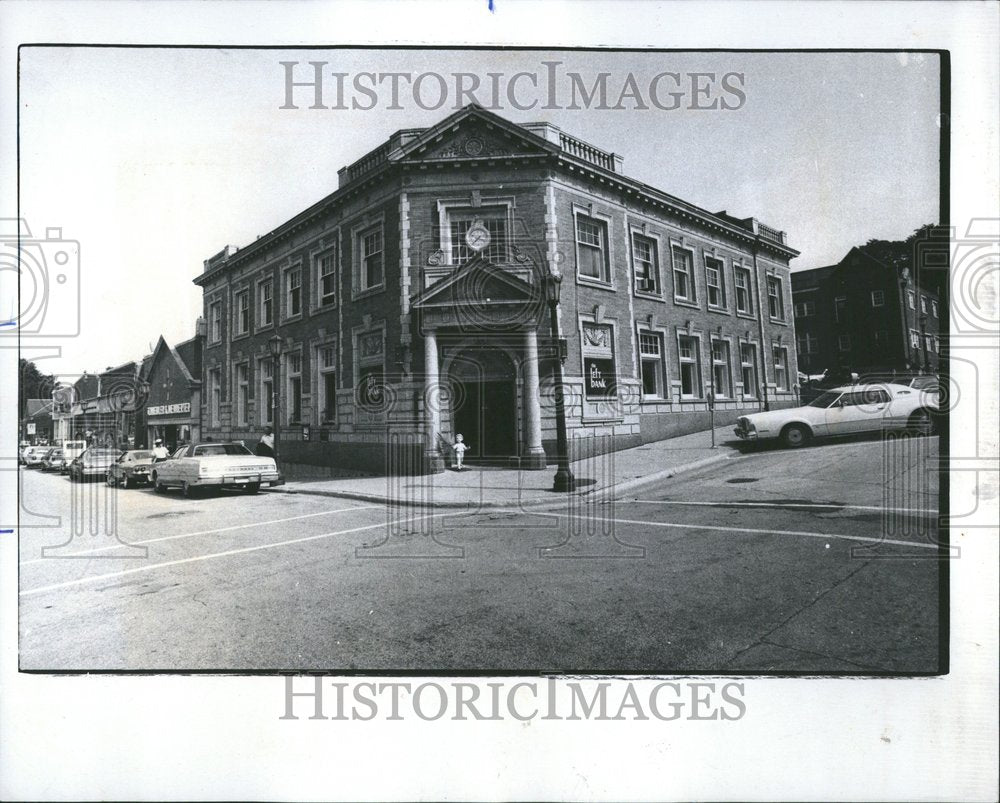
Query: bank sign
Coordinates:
[169,409]
[599,377]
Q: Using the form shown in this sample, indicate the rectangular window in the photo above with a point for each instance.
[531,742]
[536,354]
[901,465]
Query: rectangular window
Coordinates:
[844,342]
[645,265]
[327,386]
[805,309]
[215,321]
[265,400]
[808,343]
[937,346]
[265,292]
[372,265]
[744,298]
[840,309]
[294,368]
[748,369]
[721,369]
[651,356]
[215,396]
[780,367]
[326,275]
[911,299]
[683,275]
[592,248]
[242,394]
[775,302]
[293,292]
[914,339]
[934,308]
[715,279]
[243,312]
[923,304]
[690,367]
[493,219]
[878,298]
[928,343]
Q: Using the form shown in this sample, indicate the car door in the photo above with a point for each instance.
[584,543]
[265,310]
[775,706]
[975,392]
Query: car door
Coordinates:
[858,411]
[170,469]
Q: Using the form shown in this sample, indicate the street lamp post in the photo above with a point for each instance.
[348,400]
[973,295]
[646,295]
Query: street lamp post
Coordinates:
[923,342]
[564,480]
[274,346]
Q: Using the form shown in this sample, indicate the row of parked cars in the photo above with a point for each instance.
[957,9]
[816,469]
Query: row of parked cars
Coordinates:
[191,467]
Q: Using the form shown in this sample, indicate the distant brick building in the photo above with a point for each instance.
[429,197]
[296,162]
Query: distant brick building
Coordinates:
[410,306]
[867,316]
[172,407]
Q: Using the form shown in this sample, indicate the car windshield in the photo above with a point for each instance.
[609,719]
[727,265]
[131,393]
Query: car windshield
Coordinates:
[56,453]
[216,449]
[141,455]
[825,399]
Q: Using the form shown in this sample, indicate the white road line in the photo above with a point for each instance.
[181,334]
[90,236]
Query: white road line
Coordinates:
[866,538]
[195,559]
[119,545]
[832,505]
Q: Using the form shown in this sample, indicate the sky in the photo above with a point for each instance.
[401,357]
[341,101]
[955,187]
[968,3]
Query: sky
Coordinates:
[154,159]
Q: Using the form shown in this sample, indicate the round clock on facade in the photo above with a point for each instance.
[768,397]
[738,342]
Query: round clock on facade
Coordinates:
[478,236]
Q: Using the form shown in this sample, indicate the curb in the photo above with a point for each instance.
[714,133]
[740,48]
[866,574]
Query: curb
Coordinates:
[586,496]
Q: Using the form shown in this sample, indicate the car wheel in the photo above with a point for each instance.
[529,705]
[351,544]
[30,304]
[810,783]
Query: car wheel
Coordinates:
[253,488]
[110,480]
[126,482]
[187,490]
[794,436]
[158,486]
[922,422]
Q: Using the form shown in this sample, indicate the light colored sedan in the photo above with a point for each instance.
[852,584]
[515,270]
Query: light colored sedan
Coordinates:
[846,410]
[218,465]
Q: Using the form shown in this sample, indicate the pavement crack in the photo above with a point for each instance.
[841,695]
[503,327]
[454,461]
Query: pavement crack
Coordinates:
[764,638]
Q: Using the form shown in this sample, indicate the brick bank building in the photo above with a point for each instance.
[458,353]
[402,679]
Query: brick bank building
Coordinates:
[410,305]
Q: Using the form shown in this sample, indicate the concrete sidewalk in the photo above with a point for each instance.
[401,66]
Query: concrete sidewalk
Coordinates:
[477,487]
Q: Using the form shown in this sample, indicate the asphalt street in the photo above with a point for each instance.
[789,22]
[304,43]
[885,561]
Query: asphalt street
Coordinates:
[818,560]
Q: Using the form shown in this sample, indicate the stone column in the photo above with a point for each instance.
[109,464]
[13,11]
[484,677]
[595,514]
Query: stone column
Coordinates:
[433,462]
[534,458]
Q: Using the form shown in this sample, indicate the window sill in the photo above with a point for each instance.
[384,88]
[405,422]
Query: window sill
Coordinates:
[371,291]
[292,318]
[779,321]
[598,284]
[264,326]
[241,336]
[683,302]
[721,311]
[651,296]
[748,315]
[325,305]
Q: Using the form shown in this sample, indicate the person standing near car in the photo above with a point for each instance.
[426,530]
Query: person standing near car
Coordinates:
[265,446]
[160,451]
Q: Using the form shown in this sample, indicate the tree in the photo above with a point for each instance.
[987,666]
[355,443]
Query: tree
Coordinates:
[33,385]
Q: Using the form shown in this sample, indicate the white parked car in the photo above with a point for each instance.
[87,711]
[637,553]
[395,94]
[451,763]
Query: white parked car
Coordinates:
[218,465]
[845,410]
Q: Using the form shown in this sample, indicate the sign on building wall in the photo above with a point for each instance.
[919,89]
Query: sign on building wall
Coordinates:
[599,377]
[169,409]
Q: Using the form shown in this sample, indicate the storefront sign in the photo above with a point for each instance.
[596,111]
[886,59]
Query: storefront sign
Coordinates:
[169,409]
[599,377]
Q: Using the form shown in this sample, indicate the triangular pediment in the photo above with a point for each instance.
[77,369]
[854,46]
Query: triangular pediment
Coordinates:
[478,283]
[164,351]
[473,133]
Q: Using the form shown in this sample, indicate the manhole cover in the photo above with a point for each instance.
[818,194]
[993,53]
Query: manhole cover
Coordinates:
[737,480]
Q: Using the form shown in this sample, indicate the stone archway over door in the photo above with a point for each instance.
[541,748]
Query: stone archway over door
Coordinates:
[485,399]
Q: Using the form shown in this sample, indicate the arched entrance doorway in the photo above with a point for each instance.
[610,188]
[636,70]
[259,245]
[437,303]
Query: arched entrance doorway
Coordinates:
[484,399]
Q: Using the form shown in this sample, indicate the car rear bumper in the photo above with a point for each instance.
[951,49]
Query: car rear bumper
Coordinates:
[238,480]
